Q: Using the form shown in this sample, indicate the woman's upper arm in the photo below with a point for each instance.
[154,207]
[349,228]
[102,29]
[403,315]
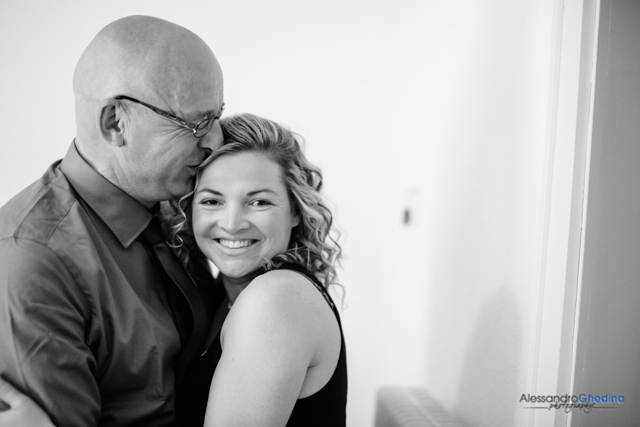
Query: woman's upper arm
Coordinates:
[270,340]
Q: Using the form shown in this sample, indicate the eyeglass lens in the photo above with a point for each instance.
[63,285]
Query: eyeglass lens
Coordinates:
[204,127]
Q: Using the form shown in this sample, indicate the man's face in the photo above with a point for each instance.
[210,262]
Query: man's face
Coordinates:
[160,156]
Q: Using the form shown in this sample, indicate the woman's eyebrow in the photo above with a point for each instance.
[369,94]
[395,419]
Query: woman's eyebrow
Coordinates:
[208,190]
[262,190]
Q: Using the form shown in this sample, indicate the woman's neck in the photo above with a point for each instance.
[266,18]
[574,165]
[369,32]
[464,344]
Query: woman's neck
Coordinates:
[234,285]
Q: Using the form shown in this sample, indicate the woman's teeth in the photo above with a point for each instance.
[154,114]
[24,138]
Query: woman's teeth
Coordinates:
[235,244]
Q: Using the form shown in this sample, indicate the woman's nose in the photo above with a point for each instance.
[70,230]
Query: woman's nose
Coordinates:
[234,220]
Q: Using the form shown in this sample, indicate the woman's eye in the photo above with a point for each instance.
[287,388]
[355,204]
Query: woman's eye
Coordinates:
[260,202]
[210,202]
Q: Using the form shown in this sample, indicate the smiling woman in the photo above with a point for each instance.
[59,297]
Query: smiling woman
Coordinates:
[277,355]
[241,214]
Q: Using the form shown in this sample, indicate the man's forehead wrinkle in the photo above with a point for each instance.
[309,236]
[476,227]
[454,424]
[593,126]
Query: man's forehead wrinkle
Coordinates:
[175,73]
[146,57]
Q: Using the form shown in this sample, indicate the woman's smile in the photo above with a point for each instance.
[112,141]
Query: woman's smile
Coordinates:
[236,244]
[241,213]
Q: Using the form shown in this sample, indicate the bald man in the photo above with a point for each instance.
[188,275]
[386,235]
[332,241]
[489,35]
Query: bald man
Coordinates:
[94,325]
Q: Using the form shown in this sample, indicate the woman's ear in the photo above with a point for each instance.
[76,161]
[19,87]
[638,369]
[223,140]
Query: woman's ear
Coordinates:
[111,124]
[296,220]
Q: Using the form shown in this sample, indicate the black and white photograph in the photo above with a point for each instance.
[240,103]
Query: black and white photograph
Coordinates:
[341,213]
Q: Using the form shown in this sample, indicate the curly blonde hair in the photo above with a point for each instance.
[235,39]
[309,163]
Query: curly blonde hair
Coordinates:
[313,243]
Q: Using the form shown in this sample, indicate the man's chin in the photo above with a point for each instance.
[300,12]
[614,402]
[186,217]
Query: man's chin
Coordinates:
[187,188]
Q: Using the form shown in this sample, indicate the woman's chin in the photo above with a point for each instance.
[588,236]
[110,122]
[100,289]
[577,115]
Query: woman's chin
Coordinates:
[237,272]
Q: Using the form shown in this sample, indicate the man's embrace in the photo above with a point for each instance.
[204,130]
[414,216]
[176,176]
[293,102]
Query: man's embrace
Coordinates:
[95,326]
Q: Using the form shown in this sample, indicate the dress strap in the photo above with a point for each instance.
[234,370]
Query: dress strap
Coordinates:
[312,278]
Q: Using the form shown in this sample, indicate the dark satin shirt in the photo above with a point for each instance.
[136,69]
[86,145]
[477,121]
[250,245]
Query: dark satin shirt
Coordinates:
[89,325]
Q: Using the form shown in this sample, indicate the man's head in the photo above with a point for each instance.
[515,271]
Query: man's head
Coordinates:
[136,147]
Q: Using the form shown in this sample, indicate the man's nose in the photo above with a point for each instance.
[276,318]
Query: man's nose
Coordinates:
[213,139]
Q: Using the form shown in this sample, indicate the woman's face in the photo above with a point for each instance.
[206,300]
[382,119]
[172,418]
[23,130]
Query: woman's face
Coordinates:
[242,213]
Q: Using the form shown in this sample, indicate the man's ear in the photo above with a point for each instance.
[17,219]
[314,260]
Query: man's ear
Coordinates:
[111,124]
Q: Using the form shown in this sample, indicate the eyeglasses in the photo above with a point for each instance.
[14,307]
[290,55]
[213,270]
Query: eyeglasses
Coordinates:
[199,129]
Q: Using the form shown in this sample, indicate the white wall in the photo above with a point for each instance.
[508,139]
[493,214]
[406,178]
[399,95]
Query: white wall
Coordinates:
[487,213]
[440,107]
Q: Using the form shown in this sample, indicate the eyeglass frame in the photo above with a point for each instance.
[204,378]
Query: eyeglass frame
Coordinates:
[193,127]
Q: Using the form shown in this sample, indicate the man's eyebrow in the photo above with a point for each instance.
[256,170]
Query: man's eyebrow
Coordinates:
[218,113]
[207,114]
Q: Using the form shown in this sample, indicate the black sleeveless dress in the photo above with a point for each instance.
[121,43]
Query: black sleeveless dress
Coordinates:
[325,408]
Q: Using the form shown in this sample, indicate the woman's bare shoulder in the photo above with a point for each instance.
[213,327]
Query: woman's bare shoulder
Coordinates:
[285,298]
[284,288]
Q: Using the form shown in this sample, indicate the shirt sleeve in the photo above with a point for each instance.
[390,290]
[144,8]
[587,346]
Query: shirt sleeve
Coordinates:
[44,317]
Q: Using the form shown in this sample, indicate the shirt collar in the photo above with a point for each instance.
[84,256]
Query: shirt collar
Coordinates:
[125,217]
